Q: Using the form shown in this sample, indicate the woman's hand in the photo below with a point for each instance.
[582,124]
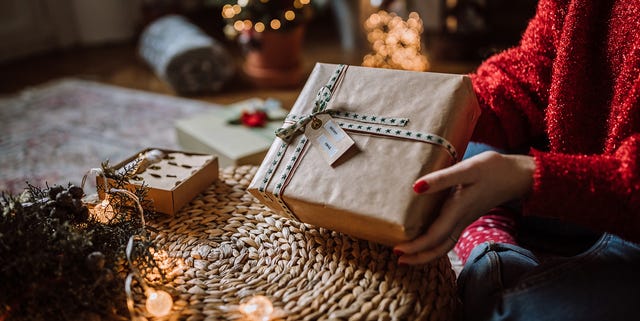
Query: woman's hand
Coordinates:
[478,184]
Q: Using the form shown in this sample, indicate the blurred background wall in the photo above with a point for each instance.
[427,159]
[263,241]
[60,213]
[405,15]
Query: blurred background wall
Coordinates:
[453,29]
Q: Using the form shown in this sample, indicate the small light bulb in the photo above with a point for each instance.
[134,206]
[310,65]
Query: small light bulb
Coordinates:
[248,24]
[104,212]
[289,15]
[275,24]
[238,25]
[159,303]
[258,308]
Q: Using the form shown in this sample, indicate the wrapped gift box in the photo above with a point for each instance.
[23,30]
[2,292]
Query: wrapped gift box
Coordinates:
[173,181]
[211,133]
[403,124]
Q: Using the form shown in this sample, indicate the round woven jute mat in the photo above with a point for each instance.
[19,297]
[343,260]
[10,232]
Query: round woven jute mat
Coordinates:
[225,248]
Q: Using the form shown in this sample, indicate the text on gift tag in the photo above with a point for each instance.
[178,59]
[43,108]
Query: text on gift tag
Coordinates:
[331,140]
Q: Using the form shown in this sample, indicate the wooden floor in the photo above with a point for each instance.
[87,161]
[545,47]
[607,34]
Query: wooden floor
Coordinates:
[119,64]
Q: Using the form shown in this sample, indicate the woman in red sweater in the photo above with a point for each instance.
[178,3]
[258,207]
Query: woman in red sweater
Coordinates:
[573,83]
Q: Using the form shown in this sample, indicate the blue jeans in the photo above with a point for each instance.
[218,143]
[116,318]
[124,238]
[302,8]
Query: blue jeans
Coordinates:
[508,282]
[561,272]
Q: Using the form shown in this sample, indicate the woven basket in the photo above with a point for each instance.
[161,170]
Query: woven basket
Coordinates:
[225,247]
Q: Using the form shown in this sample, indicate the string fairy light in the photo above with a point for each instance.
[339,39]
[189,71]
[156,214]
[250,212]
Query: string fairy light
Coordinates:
[258,16]
[289,15]
[158,302]
[275,24]
[255,308]
[103,211]
[258,308]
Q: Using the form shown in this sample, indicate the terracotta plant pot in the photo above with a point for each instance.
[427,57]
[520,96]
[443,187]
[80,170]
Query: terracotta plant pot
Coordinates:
[274,58]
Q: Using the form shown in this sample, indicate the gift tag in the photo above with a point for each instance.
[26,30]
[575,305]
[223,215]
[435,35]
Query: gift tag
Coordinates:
[331,140]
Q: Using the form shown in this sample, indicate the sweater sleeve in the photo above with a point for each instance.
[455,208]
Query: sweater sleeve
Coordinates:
[598,191]
[595,191]
[513,86]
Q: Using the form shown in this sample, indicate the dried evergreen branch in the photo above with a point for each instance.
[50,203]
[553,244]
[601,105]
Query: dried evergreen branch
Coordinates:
[57,262]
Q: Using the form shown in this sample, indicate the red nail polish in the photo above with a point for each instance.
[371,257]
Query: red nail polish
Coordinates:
[401,264]
[398,252]
[420,186]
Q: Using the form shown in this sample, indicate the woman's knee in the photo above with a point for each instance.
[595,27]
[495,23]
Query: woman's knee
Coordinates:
[491,268]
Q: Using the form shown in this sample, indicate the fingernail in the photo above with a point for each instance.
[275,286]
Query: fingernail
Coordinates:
[402,264]
[420,186]
[398,252]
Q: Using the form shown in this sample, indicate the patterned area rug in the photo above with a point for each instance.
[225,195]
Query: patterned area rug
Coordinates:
[53,134]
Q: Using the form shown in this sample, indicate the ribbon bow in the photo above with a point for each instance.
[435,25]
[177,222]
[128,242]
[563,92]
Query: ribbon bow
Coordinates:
[287,133]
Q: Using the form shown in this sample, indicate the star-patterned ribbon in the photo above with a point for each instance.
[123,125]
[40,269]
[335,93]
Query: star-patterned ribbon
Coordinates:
[371,126]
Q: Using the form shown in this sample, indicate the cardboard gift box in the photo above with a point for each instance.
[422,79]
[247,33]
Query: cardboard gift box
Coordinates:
[173,180]
[211,133]
[402,124]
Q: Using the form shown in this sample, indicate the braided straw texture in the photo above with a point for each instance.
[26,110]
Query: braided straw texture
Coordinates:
[225,247]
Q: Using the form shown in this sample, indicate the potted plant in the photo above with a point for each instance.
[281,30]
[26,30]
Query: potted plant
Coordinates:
[271,34]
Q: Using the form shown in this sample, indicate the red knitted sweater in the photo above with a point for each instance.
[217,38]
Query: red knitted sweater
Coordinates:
[574,78]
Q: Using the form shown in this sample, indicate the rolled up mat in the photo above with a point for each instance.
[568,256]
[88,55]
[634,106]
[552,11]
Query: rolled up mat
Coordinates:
[185,57]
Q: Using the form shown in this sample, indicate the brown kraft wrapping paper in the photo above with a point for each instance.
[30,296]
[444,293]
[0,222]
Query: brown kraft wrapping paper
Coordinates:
[368,192]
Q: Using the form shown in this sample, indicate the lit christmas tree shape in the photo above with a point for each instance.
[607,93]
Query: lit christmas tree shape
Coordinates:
[396,43]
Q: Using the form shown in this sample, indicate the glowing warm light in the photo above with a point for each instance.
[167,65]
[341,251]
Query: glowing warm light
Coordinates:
[289,15]
[409,37]
[396,22]
[275,24]
[237,8]
[243,3]
[391,40]
[259,27]
[238,25]
[297,4]
[159,303]
[373,21]
[105,203]
[178,268]
[227,11]
[304,1]
[162,258]
[452,23]
[378,45]
[414,23]
[248,24]
[375,36]
[258,308]
[396,43]
[103,212]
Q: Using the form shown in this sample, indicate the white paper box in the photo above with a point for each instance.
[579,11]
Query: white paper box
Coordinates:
[233,144]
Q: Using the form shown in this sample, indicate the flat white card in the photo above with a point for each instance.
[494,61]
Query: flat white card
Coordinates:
[331,140]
